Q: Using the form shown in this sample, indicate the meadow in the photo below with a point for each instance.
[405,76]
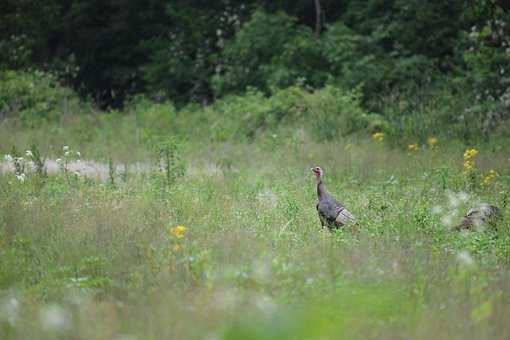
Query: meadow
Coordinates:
[221,240]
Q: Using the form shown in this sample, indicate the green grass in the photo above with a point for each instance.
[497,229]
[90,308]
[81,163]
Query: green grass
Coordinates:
[88,260]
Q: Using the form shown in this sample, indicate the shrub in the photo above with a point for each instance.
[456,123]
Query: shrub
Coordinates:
[330,112]
[239,116]
[334,112]
[34,97]
[154,120]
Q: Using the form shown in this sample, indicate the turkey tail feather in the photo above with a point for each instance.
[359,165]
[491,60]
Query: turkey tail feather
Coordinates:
[344,217]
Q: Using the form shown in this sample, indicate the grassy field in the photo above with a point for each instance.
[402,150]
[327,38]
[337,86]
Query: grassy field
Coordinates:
[89,259]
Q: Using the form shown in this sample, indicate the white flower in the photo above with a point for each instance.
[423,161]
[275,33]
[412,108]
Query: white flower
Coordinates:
[59,161]
[8,158]
[436,210]
[447,220]
[76,173]
[54,318]
[78,154]
[21,177]
[265,304]
[9,311]
[65,148]
[463,196]
[66,154]
[261,271]
[465,259]
[29,154]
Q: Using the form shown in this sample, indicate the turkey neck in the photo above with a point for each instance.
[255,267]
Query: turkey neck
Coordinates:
[321,191]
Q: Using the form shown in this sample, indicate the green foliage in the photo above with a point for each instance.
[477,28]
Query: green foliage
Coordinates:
[168,159]
[329,112]
[245,60]
[334,113]
[488,59]
[412,71]
[34,97]
[15,52]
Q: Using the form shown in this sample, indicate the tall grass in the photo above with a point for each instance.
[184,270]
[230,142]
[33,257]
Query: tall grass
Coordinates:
[90,260]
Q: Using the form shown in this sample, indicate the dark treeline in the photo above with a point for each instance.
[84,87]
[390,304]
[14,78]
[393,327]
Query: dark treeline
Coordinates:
[198,50]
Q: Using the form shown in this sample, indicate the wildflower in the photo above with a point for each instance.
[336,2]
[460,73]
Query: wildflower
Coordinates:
[465,259]
[21,177]
[432,141]
[65,148]
[412,147]
[261,271]
[470,154]
[489,178]
[378,136]
[29,154]
[8,158]
[59,161]
[178,231]
[453,200]
[469,165]
[436,210]
[66,154]
[9,311]
[54,318]
[463,196]
[469,159]
[78,154]
[447,220]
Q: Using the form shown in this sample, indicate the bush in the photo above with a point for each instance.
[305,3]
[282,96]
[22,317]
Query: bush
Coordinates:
[239,116]
[334,112]
[34,97]
[153,120]
[330,112]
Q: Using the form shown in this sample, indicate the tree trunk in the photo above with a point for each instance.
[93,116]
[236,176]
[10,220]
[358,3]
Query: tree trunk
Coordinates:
[318,17]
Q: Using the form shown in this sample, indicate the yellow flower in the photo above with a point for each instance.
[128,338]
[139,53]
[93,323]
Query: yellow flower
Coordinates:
[470,153]
[490,176]
[469,159]
[378,136]
[469,165]
[412,147]
[432,141]
[178,231]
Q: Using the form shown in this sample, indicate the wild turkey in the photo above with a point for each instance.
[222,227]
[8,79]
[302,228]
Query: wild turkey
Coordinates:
[481,215]
[332,213]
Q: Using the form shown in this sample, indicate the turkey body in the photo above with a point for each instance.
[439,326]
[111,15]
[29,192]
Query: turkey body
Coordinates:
[479,216]
[332,213]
